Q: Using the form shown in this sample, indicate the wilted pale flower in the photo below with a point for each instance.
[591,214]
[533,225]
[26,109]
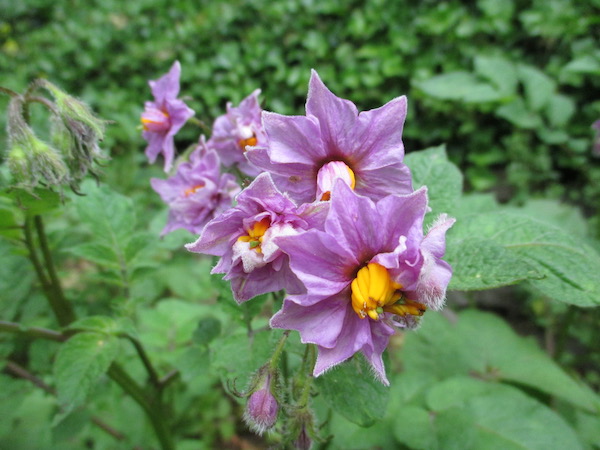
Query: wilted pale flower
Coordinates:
[243,237]
[261,409]
[164,117]
[197,192]
[239,128]
[366,148]
[370,270]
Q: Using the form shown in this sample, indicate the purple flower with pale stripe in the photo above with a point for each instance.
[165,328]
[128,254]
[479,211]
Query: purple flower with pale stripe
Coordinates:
[369,271]
[236,130]
[244,238]
[368,145]
[197,192]
[164,117]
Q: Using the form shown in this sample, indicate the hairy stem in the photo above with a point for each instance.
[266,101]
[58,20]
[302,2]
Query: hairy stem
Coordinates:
[154,379]
[59,304]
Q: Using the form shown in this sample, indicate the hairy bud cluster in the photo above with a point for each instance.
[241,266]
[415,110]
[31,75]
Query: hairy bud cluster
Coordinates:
[73,150]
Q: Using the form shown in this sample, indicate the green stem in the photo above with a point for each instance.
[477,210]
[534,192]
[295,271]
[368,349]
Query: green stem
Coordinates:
[310,363]
[201,124]
[154,378]
[59,304]
[65,315]
[280,345]
[153,408]
[32,332]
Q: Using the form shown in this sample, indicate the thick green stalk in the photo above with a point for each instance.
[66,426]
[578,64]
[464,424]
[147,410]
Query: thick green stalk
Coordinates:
[59,304]
[280,345]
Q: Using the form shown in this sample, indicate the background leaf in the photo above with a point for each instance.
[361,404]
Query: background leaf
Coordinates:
[80,362]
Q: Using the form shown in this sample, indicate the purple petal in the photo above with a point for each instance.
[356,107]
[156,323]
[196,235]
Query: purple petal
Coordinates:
[293,139]
[377,183]
[167,87]
[379,132]
[319,262]
[337,117]
[354,221]
[355,334]
[319,324]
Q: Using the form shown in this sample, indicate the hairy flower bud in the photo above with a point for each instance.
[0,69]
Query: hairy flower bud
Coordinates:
[77,115]
[261,409]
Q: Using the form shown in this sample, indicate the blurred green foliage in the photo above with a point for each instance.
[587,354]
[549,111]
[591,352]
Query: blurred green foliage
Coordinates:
[510,86]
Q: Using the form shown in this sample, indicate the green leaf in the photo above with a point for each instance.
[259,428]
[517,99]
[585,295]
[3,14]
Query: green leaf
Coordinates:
[109,215]
[414,427]
[568,265]
[519,115]
[539,87]
[431,168]
[474,414]
[482,345]
[98,324]
[459,86]
[481,264]
[352,391]
[34,203]
[499,71]
[98,253]
[80,362]
[208,329]
[560,109]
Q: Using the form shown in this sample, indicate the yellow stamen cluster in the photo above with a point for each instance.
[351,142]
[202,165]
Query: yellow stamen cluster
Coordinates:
[193,189]
[146,122]
[327,195]
[251,141]
[256,234]
[374,292]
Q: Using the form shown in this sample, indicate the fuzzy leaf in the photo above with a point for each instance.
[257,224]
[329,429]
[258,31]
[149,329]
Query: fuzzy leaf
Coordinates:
[80,362]
[482,345]
[431,168]
[352,391]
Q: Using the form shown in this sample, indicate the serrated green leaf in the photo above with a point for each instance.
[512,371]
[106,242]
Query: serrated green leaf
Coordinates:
[568,265]
[483,345]
[80,362]
[352,391]
[13,267]
[431,168]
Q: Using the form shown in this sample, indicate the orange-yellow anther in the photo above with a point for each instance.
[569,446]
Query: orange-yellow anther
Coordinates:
[256,234]
[251,141]
[193,189]
[156,118]
[372,290]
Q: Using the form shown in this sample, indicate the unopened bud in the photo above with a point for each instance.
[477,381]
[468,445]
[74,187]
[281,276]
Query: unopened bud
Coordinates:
[77,115]
[261,409]
[303,441]
[18,165]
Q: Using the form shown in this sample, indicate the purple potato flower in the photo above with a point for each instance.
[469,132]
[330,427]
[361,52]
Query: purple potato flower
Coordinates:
[367,145]
[164,117]
[238,128]
[369,271]
[244,238]
[197,192]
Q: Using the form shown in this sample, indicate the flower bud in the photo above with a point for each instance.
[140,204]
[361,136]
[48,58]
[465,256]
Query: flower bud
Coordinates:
[261,409]
[302,427]
[77,115]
